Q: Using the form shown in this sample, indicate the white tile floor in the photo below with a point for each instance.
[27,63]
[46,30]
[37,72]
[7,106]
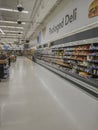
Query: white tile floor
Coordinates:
[36,99]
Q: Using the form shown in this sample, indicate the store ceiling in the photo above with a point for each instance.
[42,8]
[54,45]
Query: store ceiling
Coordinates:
[8,19]
[37,11]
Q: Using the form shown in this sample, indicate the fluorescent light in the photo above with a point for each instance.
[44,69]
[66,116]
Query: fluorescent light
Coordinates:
[12,27]
[23,23]
[10,37]
[8,31]
[1,21]
[13,10]
[13,22]
[26,12]
[2,31]
[11,34]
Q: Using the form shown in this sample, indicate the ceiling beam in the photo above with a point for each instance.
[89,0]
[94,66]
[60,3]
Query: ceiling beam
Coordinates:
[33,14]
[51,11]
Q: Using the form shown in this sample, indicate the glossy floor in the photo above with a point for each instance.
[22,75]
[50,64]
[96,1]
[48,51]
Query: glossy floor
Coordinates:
[36,99]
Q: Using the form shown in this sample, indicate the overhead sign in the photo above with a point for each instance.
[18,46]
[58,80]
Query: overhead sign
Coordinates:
[6,47]
[77,14]
[69,18]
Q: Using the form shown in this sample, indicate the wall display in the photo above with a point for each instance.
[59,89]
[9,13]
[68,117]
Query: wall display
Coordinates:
[80,59]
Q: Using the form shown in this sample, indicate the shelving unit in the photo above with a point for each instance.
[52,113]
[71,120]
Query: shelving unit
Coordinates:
[4,69]
[80,58]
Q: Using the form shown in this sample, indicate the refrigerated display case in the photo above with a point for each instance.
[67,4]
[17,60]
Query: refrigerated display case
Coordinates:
[77,61]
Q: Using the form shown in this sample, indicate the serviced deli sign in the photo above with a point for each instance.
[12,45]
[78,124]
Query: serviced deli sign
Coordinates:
[77,14]
[68,19]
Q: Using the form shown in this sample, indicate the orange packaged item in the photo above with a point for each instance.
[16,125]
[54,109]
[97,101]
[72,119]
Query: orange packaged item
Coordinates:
[12,57]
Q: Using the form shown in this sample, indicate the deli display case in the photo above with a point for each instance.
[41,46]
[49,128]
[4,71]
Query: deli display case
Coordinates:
[75,58]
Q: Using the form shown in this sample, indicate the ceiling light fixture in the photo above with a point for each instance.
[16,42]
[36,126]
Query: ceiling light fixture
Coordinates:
[8,31]
[10,37]
[19,21]
[13,10]
[20,8]
[2,31]
[13,22]
[9,34]
[12,27]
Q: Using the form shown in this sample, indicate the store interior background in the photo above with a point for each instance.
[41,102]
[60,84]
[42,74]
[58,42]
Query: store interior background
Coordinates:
[42,15]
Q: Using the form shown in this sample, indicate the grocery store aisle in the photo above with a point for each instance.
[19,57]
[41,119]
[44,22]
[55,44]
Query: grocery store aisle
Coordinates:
[37,99]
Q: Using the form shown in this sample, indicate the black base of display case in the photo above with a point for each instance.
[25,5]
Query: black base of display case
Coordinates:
[3,74]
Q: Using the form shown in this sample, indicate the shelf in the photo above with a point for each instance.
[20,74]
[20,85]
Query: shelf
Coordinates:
[84,71]
[73,59]
[3,61]
[93,54]
[77,54]
[66,65]
[95,61]
[75,49]
[53,57]
[94,49]
[83,66]
[62,64]
[58,49]
[95,68]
